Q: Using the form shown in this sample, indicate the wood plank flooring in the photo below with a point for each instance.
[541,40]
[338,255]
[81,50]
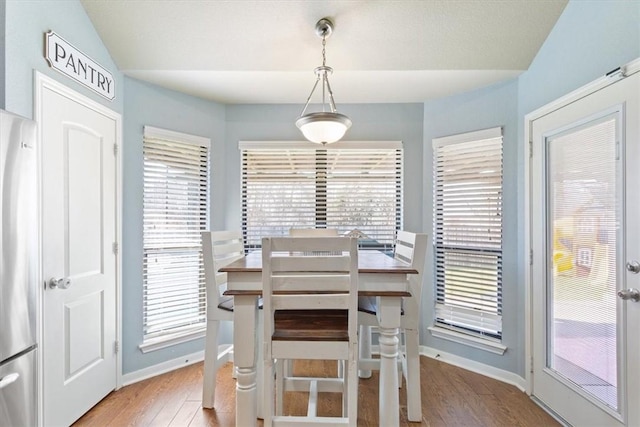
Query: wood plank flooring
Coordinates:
[451,396]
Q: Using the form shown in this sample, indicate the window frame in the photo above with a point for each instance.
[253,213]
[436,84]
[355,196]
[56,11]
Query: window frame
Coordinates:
[446,325]
[191,169]
[322,218]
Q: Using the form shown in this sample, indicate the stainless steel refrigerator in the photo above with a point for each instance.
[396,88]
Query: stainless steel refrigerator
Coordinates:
[18,271]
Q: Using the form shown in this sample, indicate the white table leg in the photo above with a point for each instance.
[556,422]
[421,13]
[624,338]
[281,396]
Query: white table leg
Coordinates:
[244,355]
[389,322]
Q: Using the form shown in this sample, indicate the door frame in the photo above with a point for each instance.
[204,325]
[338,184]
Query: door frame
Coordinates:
[42,82]
[528,255]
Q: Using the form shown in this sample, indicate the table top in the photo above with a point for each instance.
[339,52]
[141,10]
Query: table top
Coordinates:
[368,262]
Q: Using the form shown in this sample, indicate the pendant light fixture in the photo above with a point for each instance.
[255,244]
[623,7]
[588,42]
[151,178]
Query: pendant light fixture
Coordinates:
[323,127]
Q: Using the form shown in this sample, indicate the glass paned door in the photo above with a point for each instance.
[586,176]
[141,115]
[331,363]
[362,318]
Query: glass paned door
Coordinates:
[583,214]
[585,206]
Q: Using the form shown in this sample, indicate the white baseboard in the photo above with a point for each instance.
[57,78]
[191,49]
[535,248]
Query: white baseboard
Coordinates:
[162,368]
[470,365]
[170,365]
[477,367]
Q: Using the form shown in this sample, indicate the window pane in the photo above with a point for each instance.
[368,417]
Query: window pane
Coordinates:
[175,204]
[357,190]
[468,233]
[278,192]
[364,189]
[584,212]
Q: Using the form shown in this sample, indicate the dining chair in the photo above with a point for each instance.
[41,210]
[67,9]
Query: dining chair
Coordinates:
[410,248]
[219,248]
[310,294]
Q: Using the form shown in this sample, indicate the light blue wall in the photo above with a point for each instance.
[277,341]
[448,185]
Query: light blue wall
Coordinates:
[486,108]
[378,122]
[589,39]
[147,104]
[397,122]
[26,23]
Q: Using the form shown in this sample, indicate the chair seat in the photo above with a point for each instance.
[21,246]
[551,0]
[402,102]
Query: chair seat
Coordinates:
[367,304]
[226,303]
[311,325]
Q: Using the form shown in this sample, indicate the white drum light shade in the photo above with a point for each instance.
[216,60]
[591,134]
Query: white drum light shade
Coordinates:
[323,127]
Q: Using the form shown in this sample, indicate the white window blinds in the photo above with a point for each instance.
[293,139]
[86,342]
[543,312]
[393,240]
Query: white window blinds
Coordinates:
[176,171]
[468,232]
[351,186]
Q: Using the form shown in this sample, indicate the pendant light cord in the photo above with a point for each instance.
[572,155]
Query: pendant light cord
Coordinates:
[325,82]
[324,50]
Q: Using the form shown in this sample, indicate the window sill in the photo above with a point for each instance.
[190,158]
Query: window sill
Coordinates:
[471,341]
[173,339]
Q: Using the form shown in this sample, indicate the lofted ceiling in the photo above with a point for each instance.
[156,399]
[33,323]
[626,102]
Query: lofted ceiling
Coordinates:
[265,51]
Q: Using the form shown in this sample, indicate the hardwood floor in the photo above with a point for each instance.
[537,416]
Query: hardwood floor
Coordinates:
[451,396]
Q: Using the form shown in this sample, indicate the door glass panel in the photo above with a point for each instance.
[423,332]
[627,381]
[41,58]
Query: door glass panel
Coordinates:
[583,214]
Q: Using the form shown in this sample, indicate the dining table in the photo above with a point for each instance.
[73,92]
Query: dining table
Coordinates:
[379,275]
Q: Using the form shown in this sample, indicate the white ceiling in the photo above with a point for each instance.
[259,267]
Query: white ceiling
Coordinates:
[264,51]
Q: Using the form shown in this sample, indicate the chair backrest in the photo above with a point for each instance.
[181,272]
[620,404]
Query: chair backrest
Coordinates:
[310,273]
[313,232]
[219,248]
[412,248]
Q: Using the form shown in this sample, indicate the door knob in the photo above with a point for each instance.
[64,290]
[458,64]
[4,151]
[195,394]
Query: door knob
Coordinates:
[62,283]
[632,294]
[633,266]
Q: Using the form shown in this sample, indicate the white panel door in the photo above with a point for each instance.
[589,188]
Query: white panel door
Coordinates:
[79,263]
[586,243]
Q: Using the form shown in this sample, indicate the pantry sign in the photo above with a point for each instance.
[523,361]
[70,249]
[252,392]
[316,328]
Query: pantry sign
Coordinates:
[64,57]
